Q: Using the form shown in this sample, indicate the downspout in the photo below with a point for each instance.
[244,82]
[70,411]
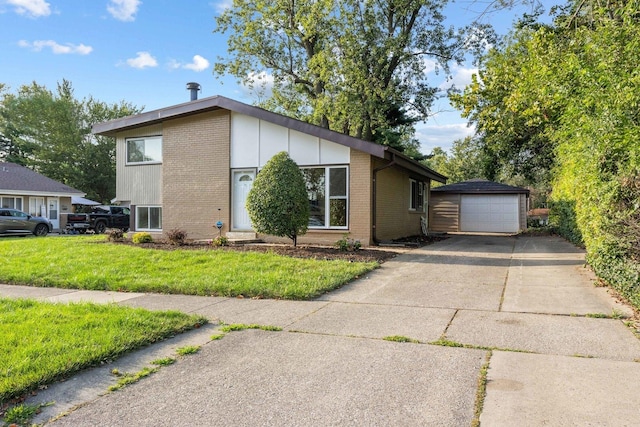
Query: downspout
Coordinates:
[374,202]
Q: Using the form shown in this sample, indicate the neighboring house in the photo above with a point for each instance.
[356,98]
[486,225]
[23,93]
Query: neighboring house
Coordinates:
[478,205]
[31,192]
[190,165]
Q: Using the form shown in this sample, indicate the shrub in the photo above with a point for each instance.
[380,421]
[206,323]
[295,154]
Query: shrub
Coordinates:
[142,237]
[347,244]
[278,202]
[177,237]
[115,235]
[220,241]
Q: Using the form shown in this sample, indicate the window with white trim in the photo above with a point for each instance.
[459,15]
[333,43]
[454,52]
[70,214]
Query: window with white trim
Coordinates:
[416,195]
[144,150]
[11,202]
[327,188]
[149,218]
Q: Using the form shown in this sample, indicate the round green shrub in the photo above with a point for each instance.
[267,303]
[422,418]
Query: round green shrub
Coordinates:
[278,203]
[142,237]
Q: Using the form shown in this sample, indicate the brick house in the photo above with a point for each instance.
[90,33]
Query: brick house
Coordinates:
[190,165]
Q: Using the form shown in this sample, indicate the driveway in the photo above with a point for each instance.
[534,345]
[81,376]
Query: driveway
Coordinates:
[522,309]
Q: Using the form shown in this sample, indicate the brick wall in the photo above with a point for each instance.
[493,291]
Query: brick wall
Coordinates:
[393,217]
[195,176]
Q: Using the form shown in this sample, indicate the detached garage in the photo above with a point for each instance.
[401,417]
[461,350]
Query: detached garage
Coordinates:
[478,206]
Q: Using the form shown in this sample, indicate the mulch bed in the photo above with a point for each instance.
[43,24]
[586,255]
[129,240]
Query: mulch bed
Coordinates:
[302,251]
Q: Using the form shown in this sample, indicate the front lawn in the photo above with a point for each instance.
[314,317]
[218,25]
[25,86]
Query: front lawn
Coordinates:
[89,262]
[42,342]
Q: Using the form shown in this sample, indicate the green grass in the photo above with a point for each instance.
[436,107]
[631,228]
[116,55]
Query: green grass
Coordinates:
[400,338]
[89,262]
[42,342]
[188,349]
[127,378]
[241,327]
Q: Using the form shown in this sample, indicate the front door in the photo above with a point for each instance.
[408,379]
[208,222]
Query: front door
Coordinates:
[242,183]
[53,213]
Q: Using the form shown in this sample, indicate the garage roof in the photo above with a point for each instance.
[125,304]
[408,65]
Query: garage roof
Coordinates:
[480,186]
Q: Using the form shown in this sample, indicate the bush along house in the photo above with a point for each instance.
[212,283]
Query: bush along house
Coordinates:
[190,166]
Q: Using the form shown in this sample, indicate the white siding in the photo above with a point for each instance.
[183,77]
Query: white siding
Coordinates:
[254,142]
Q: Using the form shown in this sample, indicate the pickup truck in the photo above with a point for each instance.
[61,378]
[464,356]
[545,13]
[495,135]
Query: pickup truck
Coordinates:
[99,219]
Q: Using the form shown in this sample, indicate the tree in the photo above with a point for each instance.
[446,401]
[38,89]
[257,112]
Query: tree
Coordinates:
[51,133]
[278,203]
[465,162]
[357,67]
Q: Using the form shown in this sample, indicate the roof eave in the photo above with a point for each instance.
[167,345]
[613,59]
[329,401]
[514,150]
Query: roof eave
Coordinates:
[412,165]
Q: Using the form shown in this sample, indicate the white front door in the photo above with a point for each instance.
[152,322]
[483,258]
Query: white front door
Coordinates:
[52,212]
[242,183]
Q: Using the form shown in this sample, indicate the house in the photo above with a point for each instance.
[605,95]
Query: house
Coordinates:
[191,165]
[28,191]
[478,205]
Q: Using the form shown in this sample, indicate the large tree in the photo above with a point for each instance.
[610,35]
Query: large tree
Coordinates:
[50,132]
[358,67]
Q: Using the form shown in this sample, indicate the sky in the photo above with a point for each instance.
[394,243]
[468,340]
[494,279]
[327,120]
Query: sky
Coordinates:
[144,52]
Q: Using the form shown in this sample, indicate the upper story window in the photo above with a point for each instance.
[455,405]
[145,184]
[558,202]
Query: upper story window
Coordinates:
[144,150]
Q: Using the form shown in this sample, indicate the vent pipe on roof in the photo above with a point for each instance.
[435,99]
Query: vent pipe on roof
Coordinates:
[193,88]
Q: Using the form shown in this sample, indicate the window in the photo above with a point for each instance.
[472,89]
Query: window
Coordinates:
[148,218]
[416,195]
[11,203]
[144,150]
[328,196]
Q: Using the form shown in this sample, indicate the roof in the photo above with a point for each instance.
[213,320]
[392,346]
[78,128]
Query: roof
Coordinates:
[111,128]
[16,179]
[480,186]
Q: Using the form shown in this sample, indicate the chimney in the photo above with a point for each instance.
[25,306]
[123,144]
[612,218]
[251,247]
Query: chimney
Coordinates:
[193,88]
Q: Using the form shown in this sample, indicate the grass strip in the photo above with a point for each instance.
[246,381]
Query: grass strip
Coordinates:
[42,342]
[89,262]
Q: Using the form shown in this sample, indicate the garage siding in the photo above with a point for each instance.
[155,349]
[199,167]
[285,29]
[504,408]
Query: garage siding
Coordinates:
[444,212]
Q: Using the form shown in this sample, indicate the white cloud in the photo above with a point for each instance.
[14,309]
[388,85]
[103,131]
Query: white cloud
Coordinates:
[431,136]
[143,60]
[222,5]
[123,10]
[460,78]
[31,8]
[199,64]
[56,48]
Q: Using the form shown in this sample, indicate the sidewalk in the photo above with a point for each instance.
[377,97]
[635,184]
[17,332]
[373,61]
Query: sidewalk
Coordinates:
[519,304]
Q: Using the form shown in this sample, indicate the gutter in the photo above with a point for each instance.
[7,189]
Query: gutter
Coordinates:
[374,201]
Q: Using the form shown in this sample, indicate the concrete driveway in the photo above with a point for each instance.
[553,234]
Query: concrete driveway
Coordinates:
[522,309]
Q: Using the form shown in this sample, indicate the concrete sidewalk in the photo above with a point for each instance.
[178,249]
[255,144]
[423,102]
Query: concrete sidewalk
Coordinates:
[522,306]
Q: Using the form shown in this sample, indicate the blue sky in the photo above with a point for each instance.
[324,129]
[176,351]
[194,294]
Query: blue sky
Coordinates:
[144,52]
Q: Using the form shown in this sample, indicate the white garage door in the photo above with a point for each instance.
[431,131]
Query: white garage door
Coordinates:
[494,213]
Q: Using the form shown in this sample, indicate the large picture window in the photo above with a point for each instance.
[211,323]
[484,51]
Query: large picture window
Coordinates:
[144,150]
[328,196]
[148,218]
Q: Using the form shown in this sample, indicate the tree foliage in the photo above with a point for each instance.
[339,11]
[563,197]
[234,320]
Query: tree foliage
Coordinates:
[465,161]
[278,203]
[50,132]
[562,102]
[357,67]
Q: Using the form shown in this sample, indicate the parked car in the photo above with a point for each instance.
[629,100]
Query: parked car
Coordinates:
[14,223]
[99,219]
